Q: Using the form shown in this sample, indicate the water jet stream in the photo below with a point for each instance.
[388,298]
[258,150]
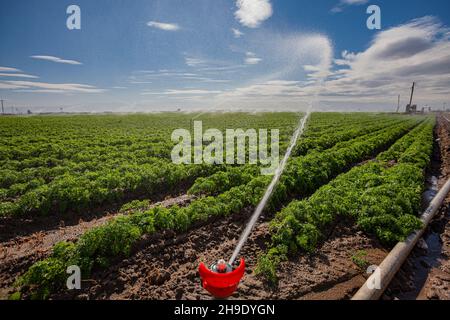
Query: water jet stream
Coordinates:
[262,204]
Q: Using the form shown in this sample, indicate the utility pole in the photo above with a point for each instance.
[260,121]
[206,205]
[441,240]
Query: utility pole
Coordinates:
[398,104]
[412,94]
[410,108]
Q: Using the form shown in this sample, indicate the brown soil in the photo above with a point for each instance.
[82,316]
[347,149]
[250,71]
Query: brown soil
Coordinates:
[167,269]
[17,254]
[12,227]
[437,284]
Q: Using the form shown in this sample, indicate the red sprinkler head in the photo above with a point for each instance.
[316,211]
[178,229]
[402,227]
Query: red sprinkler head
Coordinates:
[221,280]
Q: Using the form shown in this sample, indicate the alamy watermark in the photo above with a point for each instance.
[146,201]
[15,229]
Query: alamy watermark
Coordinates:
[74,280]
[73,21]
[374,20]
[374,281]
[230,148]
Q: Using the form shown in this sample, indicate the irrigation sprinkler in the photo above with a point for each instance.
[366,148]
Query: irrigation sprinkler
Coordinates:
[222,278]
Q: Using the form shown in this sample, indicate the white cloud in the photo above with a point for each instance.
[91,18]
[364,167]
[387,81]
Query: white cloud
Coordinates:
[8,69]
[251,13]
[56,59]
[347,57]
[285,55]
[237,33]
[211,66]
[5,85]
[195,62]
[50,87]
[18,75]
[417,51]
[368,80]
[344,3]
[179,76]
[163,26]
[267,89]
[252,59]
[183,92]
[139,82]
[353,2]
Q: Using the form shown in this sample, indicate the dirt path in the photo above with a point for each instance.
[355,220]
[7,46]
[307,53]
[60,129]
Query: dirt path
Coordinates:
[22,251]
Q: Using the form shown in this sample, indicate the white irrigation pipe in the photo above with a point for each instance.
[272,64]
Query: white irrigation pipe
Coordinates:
[270,189]
[392,263]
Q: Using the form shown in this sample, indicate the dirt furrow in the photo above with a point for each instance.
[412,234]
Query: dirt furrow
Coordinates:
[17,254]
[170,271]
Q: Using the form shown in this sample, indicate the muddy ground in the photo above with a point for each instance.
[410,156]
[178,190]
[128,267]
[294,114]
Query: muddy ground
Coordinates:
[426,273]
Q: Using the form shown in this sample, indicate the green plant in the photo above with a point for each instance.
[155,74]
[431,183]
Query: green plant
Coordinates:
[15,296]
[298,226]
[43,277]
[359,258]
[268,264]
[383,200]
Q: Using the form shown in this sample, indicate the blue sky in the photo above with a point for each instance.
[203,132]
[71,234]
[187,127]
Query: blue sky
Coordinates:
[146,55]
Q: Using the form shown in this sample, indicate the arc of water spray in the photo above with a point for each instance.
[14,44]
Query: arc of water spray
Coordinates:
[262,204]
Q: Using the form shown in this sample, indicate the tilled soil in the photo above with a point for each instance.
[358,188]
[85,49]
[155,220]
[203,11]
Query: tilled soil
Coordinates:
[22,251]
[168,268]
[13,227]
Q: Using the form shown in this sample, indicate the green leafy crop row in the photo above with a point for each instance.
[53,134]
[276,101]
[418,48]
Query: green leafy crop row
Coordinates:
[383,200]
[224,180]
[98,246]
[235,176]
[337,135]
[73,163]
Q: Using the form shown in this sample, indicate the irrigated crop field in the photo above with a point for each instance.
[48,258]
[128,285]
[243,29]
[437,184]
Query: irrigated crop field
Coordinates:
[101,192]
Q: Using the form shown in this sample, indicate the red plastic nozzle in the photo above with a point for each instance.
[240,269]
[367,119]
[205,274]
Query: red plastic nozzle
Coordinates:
[221,285]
